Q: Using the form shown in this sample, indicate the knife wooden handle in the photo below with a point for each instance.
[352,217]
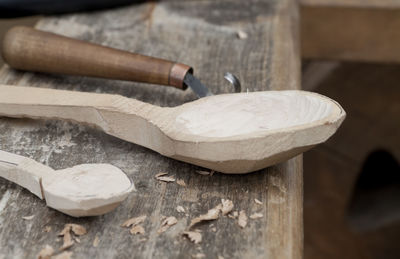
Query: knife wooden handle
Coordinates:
[29,49]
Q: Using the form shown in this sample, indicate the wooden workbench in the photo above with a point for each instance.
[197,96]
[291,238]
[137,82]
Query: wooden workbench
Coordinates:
[203,34]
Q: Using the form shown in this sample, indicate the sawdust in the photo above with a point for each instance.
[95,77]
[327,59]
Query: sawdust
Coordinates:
[242,34]
[67,237]
[96,241]
[199,256]
[46,252]
[47,229]
[201,172]
[212,214]
[256,215]
[160,174]
[28,217]
[233,215]
[180,209]
[166,179]
[134,221]
[163,177]
[242,220]
[63,255]
[227,206]
[193,236]
[258,201]
[166,224]
[181,182]
[135,230]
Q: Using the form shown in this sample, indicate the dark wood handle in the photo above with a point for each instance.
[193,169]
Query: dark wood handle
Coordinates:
[33,50]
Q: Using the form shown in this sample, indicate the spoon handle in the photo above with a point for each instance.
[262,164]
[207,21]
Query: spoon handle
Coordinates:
[33,50]
[23,171]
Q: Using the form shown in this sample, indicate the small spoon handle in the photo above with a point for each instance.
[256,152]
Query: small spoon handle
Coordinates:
[23,171]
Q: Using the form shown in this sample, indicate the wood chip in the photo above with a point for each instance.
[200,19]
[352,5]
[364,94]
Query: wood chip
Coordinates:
[67,237]
[77,239]
[64,255]
[199,256]
[258,201]
[233,215]
[47,229]
[203,172]
[227,206]
[214,229]
[242,220]
[181,182]
[220,257]
[96,241]
[166,224]
[193,236]
[180,209]
[166,179]
[78,229]
[242,34]
[135,230]
[160,174]
[212,214]
[256,215]
[46,252]
[28,217]
[134,221]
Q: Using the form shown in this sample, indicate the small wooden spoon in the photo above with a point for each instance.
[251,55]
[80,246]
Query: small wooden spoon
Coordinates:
[231,133]
[83,190]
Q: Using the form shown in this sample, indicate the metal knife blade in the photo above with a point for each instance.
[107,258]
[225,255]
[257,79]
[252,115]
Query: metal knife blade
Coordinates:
[197,87]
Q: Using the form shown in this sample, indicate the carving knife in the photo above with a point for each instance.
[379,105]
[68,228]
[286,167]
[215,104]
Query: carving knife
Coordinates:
[25,48]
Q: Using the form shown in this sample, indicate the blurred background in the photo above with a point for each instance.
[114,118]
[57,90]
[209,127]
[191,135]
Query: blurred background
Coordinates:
[352,182]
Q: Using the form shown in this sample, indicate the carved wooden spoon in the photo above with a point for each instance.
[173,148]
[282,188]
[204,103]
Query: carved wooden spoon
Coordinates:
[83,190]
[231,133]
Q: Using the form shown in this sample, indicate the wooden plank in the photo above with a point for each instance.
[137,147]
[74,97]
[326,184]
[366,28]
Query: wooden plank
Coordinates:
[355,30]
[204,35]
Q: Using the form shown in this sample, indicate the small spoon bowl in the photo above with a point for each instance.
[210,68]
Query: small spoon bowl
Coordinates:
[82,190]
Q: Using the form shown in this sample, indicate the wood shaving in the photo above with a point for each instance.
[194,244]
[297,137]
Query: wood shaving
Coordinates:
[193,236]
[63,255]
[96,241]
[258,201]
[166,179]
[233,215]
[160,174]
[256,215]
[181,182]
[28,217]
[67,237]
[212,214]
[166,224]
[180,209]
[47,229]
[242,220]
[227,206]
[137,230]
[242,34]
[46,252]
[134,221]
[203,172]
[199,256]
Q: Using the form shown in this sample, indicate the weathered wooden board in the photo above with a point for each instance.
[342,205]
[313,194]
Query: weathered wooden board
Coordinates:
[202,34]
[360,30]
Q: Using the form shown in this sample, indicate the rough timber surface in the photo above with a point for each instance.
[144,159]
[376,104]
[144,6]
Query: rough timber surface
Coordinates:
[202,34]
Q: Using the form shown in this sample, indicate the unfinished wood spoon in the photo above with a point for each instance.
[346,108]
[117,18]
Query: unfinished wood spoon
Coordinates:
[231,133]
[83,190]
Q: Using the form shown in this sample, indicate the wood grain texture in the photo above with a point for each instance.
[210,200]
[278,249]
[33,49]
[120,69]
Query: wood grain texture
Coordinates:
[351,30]
[200,33]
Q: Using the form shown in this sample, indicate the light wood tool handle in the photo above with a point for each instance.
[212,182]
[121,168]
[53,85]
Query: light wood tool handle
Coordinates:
[33,50]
